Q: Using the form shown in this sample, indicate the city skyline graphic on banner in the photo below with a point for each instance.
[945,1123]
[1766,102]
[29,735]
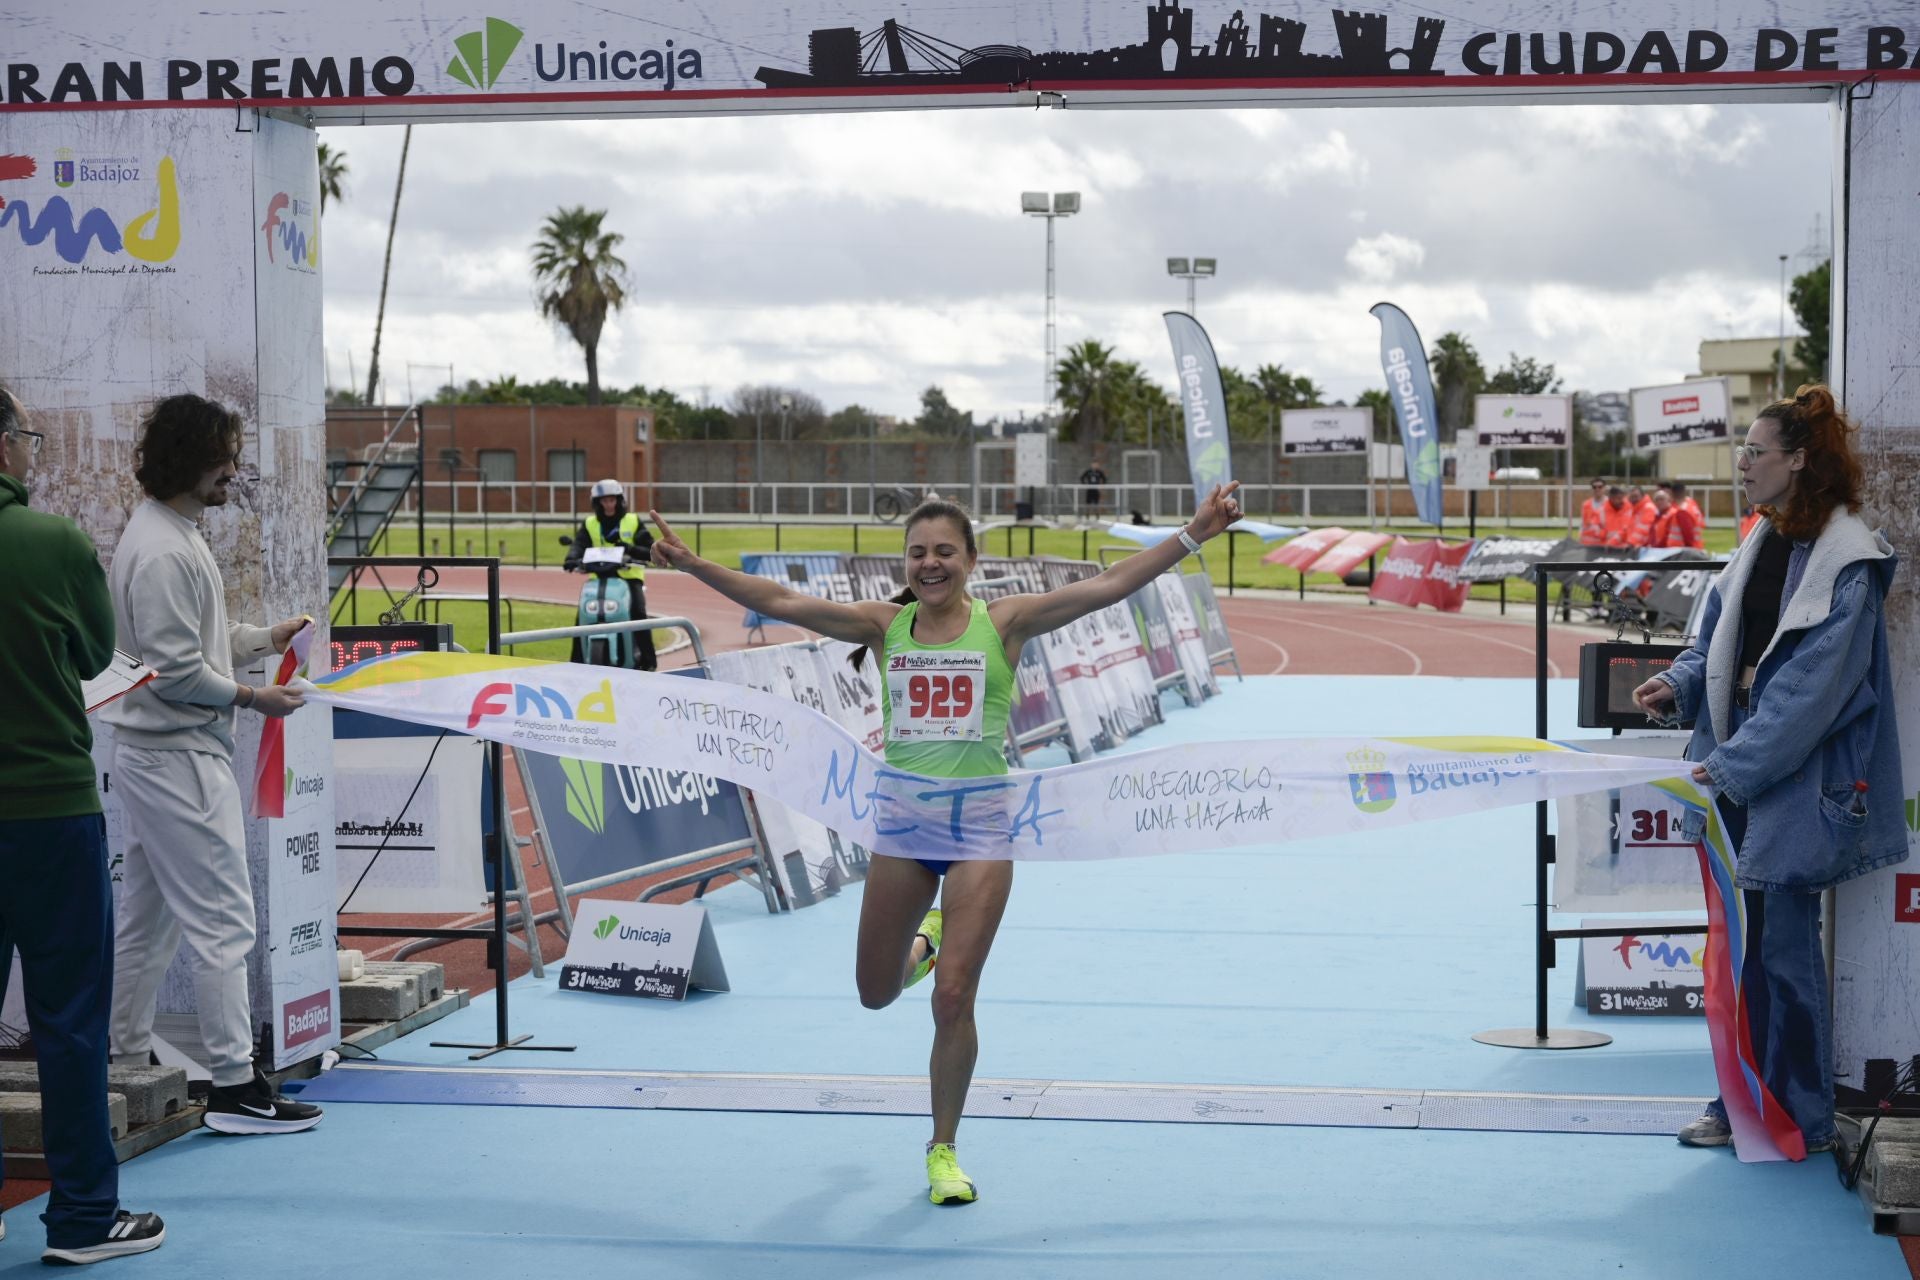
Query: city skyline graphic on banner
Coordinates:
[1268,48]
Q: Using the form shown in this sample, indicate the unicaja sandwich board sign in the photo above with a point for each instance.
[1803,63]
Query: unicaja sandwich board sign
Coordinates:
[642,949]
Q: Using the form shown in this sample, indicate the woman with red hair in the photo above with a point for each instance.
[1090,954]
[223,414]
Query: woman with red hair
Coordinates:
[1789,689]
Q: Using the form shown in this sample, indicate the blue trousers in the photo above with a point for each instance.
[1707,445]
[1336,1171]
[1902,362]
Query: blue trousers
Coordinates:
[56,907]
[1784,987]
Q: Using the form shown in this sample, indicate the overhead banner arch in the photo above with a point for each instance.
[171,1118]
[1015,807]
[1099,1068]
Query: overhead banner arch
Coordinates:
[367,61]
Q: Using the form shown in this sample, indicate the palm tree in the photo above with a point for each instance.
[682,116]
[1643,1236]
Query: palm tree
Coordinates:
[1285,390]
[333,169]
[386,267]
[1093,387]
[580,279]
[1457,377]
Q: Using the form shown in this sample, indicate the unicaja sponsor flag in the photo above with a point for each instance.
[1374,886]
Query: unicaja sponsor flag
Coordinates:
[1404,360]
[1204,402]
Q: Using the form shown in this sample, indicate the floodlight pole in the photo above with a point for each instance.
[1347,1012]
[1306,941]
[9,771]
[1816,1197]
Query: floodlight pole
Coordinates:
[1056,207]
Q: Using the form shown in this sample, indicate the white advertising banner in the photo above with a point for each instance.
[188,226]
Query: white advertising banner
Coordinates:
[1162,800]
[1658,974]
[1623,850]
[367,61]
[1030,470]
[1680,413]
[1523,422]
[649,949]
[407,825]
[1304,432]
[1876,957]
[300,894]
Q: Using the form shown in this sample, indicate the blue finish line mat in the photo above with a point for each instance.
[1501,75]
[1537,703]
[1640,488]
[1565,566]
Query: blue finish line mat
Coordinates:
[397,1083]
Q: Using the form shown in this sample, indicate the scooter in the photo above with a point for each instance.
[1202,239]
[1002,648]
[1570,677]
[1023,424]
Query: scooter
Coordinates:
[597,605]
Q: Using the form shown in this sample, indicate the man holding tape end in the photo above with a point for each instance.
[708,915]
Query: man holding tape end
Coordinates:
[185,870]
[56,905]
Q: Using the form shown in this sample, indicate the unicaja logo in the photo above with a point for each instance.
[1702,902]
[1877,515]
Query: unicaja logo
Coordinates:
[586,793]
[605,928]
[481,55]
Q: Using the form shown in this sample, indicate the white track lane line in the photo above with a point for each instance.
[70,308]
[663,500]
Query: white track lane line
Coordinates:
[1440,628]
[1285,657]
[1412,657]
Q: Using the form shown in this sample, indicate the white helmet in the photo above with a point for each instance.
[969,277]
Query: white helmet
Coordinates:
[607,489]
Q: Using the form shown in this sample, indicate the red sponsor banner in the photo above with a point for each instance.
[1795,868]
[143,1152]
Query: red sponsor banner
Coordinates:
[1350,552]
[1305,549]
[1425,572]
[1681,404]
[308,1019]
[1906,899]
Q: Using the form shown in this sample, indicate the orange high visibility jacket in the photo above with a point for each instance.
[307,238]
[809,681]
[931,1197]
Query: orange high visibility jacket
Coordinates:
[1619,529]
[1747,522]
[1593,523]
[1677,528]
[1644,517]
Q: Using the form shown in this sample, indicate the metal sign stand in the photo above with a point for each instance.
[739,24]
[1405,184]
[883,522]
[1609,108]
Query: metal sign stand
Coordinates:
[496,936]
[1539,1035]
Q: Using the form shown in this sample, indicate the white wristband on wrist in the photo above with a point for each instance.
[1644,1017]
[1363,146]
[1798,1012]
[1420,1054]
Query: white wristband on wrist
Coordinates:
[1186,540]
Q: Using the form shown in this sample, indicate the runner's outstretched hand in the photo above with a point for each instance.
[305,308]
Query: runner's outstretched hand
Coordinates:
[1219,510]
[669,552]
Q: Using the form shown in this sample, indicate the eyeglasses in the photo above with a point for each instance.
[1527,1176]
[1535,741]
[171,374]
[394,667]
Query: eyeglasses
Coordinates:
[1749,452]
[34,439]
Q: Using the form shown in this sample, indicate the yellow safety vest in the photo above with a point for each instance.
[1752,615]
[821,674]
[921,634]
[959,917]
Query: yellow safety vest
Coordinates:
[629,533]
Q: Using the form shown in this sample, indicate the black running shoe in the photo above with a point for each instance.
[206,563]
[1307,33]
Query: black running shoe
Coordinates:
[130,1233]
[254,1107]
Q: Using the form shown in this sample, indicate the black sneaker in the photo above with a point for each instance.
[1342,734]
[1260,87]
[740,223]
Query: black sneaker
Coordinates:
[254,1107]
[130,1233]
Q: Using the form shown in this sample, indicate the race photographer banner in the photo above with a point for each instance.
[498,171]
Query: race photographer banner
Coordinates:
[1502,557]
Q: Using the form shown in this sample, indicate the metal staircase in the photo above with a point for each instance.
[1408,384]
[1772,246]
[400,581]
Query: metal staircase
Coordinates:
[363,514]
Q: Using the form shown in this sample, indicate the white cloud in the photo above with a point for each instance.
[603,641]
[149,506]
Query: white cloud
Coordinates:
[1380,258]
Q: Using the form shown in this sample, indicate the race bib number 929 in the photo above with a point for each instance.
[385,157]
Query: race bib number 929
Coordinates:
[936,697]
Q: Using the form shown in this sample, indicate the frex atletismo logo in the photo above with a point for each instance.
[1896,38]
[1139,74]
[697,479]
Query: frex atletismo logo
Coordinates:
[482,55]
[605,928]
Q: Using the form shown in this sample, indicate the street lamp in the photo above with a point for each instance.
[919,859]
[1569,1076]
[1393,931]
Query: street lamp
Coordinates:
[1037,204]
[1191,270]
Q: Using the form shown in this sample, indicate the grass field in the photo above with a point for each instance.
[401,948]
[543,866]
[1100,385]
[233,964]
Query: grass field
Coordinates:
[723,543]
[469,619]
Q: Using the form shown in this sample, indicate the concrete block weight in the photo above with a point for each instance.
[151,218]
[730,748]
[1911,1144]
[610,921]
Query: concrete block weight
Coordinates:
[432,978]
[20,1122]
[379,999]
[152,1093]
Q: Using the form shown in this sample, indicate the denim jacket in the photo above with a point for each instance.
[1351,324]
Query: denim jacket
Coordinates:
[1821,713]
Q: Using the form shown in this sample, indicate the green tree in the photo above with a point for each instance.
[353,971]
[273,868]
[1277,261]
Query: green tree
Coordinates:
[1377,399]
[1812,299]
[1283,390]
[333,173]
[1092,388]
[776,413]
[1457,378]
[854,422]
[939,417]
[1523,376]
[579,279]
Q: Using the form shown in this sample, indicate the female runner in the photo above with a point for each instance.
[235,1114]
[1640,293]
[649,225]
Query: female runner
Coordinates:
[948,660]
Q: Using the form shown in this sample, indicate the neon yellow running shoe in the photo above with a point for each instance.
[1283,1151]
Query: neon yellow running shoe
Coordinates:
[930,930]
[946,1184]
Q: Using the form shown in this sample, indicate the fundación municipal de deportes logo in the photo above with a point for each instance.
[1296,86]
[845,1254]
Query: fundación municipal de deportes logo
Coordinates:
[482,55]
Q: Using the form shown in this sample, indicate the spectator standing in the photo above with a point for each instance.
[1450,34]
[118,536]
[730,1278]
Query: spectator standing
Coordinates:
[57,904]
[185,862]
[1593,516]
[1094,479]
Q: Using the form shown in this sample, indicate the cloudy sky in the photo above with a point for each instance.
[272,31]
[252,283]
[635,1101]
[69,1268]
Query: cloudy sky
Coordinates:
[863,257]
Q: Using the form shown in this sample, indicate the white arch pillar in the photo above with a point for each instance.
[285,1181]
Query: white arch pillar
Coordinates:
[180,253]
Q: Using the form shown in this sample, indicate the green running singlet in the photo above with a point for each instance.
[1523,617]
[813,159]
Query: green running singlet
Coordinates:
[945,705]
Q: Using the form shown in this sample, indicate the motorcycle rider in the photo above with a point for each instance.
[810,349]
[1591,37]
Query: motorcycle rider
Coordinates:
[612,525]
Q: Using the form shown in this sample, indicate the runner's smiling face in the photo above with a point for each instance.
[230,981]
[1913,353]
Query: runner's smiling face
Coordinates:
[938,561]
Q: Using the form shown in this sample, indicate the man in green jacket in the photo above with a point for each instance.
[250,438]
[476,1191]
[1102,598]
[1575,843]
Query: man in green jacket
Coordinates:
[56,906]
